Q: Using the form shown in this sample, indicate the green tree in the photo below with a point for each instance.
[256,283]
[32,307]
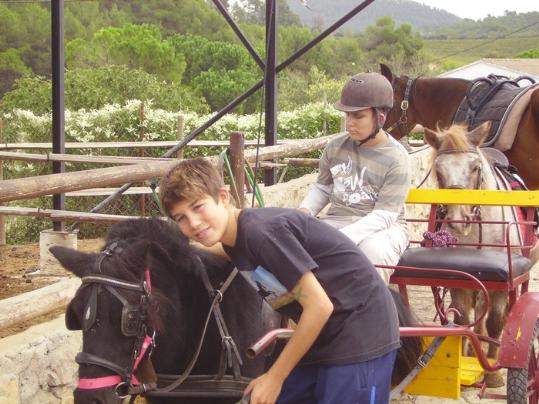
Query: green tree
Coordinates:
[12,68]
[399,47]
[135,46]
[93,88]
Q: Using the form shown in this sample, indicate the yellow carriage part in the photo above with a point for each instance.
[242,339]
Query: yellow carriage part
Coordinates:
[447,371]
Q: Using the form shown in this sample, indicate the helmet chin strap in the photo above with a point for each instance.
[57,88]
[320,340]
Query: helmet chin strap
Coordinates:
[377,128]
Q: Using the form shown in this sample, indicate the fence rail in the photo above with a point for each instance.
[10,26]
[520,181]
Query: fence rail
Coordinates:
[128,145]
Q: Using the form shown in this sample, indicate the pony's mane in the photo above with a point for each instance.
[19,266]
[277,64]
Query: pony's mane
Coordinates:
[173,258]
[454,138]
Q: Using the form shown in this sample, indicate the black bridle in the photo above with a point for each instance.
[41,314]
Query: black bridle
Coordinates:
[405,104]
[133,324]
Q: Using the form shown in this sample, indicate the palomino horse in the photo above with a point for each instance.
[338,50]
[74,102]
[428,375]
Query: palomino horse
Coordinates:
[459,163]
[432,103]
[149,282]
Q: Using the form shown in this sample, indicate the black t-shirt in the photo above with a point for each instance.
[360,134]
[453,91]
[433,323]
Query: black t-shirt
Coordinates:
[277,246]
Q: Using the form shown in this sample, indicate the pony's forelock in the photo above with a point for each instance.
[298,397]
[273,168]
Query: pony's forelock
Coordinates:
[454,138]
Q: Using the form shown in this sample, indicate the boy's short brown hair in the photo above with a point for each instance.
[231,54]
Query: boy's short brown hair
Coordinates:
[188,180]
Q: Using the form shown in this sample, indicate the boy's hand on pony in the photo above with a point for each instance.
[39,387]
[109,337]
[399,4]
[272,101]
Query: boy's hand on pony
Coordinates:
[264,389]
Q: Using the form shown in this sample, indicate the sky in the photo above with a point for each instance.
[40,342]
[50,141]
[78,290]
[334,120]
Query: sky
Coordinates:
[477,9]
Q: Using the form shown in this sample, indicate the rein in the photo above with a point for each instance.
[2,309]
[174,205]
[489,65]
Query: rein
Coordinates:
[214,307]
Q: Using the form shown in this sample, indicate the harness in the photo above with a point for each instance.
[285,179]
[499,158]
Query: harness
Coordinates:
[134,324]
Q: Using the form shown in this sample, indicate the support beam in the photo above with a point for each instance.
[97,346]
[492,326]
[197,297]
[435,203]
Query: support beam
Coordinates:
[58,118]
[270,84]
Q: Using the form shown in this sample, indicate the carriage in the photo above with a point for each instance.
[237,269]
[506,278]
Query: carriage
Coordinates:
[484,269]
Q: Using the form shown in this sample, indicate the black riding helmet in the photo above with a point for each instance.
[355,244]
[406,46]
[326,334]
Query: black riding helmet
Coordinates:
[365,91]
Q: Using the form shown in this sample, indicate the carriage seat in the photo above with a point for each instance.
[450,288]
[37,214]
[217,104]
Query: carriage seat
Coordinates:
[484,264]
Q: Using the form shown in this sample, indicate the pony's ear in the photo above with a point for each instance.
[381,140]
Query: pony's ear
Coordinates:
[386,72]
[74,261]
[432,138]
[479,134]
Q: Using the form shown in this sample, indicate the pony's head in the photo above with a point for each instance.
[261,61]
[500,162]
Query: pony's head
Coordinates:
[118,308]
[459,164]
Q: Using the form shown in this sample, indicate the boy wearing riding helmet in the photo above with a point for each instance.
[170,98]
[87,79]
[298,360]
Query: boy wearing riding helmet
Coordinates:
[364,175]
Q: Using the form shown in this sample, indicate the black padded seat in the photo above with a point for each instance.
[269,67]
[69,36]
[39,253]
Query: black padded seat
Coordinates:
[484,264]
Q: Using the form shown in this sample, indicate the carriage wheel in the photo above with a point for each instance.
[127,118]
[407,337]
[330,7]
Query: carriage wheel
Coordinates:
[523,384]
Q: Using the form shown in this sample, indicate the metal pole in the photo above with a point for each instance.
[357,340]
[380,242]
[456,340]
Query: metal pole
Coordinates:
[270,85]
[58,119]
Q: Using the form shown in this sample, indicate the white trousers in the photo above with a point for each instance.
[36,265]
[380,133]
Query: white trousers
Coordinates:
[384,247]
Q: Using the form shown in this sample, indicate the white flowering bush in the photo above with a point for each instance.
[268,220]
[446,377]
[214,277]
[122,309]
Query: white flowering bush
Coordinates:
[115,123]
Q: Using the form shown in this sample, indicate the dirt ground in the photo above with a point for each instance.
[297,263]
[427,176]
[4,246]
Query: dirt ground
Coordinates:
[19,265]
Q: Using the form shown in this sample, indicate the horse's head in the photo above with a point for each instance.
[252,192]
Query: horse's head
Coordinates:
[116,309]
[401,119]
[459,164]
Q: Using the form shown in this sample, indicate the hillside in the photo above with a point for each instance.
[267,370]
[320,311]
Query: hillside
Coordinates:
[511,24]
[457,52]
[423,18]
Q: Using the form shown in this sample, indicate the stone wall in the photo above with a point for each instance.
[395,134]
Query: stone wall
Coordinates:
[37,366]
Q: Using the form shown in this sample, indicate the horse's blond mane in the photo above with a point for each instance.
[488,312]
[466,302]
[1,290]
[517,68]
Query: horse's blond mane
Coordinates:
[454,138]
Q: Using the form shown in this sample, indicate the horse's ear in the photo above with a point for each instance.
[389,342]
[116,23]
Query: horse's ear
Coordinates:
[74,261]
[479,134]
[432,138]
[386,72]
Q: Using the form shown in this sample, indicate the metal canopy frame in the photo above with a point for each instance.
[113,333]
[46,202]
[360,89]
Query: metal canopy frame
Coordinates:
[269,82]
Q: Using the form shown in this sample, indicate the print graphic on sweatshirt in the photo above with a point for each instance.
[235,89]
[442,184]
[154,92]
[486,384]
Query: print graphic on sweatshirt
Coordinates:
[349,186]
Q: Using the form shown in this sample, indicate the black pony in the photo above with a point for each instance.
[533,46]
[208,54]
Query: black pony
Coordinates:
[177,306]
[148,279]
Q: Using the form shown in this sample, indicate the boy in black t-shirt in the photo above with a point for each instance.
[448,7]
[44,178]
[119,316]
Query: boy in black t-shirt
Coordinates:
[344,346]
